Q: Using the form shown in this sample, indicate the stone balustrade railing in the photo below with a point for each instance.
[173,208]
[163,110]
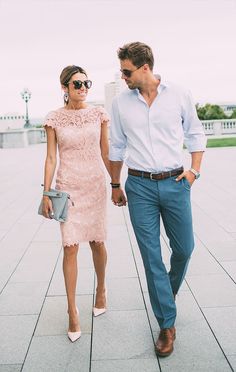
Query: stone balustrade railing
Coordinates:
[21,137]
[219,127]
[24,137]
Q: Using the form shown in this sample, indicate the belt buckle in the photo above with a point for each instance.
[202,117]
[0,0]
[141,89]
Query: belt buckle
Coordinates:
[151,176]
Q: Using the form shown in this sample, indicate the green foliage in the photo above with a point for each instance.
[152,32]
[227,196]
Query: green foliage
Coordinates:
[210,112]
[233,115]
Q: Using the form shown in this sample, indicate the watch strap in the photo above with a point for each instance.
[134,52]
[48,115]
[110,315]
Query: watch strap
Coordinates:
[196,173]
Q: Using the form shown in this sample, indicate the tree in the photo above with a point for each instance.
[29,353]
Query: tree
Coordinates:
[210,112]
[233,115]
[201,111]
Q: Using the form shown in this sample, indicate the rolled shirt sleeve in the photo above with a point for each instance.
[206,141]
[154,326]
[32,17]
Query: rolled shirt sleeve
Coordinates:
[194,136]
[118,139]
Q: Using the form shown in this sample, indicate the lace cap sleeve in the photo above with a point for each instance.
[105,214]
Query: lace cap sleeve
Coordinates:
[104,116]
[50,120]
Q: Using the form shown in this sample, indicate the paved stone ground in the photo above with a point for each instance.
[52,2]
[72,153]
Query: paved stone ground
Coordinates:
[33,319]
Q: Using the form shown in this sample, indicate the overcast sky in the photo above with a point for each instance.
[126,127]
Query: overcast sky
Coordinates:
[193,43]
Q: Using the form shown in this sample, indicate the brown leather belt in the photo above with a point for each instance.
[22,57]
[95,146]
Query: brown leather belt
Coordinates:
[156,176]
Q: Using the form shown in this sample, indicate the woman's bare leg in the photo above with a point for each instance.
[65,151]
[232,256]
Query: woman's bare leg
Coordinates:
[100,261]
[70,270]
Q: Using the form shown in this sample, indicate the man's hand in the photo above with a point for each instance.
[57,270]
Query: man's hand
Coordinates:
[118,197]
[188,175]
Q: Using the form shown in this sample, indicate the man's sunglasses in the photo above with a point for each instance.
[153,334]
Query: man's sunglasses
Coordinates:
[78,84]
[128,73]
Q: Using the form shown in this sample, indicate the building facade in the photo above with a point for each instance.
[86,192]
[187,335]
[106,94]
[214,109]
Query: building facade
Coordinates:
[112,89]
[228,108]
[11,120]
[14,120]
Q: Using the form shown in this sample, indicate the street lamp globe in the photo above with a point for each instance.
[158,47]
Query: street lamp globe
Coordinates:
[26,95]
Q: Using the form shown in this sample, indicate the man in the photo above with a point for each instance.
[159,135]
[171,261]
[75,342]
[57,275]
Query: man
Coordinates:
[150,121]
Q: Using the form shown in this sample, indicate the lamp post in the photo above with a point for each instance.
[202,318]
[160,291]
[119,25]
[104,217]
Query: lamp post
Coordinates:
[26,95]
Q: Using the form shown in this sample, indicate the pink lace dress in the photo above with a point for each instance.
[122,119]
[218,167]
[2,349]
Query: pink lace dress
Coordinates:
[81,172]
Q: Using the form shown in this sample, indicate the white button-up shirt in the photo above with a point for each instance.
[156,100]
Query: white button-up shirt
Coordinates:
[151,138]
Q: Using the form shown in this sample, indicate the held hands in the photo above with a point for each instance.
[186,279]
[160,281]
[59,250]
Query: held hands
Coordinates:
[47,207]
[118,197]
[188,175]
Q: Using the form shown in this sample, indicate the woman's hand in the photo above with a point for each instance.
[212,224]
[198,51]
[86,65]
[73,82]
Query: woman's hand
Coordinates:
[47,207]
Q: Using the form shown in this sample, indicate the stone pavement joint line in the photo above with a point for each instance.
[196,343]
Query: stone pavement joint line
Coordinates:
[33,306]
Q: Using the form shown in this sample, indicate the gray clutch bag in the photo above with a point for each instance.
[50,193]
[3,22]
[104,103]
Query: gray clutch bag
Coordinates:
[59,204]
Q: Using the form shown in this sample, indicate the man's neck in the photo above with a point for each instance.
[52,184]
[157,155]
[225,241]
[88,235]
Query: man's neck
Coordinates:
[149,90]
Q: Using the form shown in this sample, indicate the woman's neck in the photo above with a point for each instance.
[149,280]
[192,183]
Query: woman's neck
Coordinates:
[76,105]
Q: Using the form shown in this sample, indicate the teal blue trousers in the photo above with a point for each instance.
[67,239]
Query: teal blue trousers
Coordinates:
[148,201]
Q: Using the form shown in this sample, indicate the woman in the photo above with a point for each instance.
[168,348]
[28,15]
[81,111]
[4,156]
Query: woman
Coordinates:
[80,133]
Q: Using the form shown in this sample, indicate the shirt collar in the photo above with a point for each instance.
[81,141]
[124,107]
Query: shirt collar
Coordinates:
[160,87]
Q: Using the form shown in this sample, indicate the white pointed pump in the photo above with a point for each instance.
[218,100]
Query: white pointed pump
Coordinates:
[97,311]
[74,336]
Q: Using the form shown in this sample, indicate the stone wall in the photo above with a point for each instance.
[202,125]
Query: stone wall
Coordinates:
[21,137]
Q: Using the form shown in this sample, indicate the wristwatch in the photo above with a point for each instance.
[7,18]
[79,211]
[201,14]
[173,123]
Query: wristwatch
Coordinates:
[196,173]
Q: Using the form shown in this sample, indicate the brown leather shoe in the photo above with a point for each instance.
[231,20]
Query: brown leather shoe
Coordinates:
[165,342]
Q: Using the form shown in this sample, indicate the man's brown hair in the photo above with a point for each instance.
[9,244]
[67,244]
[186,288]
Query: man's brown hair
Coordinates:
[138,53]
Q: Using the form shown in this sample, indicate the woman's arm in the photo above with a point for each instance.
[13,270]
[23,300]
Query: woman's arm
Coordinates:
[49,168]
[104,144]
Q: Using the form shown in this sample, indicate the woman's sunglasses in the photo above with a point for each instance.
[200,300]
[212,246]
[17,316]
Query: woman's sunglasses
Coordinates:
[78,84]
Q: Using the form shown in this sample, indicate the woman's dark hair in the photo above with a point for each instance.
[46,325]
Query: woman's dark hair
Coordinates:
[66,75]
[138,53]
[68,72]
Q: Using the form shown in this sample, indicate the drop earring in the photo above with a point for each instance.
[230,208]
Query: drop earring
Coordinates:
[66,98]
